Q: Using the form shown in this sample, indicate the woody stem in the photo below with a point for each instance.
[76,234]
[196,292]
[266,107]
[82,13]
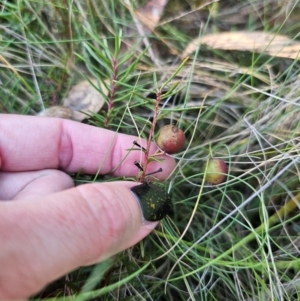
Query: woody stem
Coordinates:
[151,132]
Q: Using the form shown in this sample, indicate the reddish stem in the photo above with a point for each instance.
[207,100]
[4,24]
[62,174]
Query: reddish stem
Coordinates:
[113,91]
[151,132]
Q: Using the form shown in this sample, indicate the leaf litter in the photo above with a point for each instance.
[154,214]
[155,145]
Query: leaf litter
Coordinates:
[255,41]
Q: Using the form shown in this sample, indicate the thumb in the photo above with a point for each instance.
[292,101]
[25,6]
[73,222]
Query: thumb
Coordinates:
[47,237]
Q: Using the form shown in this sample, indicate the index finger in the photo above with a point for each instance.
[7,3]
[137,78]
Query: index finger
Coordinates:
[35,143]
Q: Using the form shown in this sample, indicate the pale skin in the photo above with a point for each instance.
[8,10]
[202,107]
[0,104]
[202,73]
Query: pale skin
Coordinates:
[48,227]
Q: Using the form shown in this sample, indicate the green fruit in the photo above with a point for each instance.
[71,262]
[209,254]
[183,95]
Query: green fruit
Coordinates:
[170,139]
[154,200]
[216,171]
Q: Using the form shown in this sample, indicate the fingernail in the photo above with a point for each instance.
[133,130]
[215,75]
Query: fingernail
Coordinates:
[154,200]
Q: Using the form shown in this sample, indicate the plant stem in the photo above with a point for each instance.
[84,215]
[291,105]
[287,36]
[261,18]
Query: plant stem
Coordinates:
[151,132]
[112,92]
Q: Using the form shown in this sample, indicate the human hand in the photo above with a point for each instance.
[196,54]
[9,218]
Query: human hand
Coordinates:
[47,226]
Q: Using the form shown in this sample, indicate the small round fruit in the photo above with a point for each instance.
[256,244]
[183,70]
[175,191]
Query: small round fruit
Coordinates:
[216,171]
[170,139]
[154,200]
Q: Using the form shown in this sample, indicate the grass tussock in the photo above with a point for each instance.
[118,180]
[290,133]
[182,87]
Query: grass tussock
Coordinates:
[234,241]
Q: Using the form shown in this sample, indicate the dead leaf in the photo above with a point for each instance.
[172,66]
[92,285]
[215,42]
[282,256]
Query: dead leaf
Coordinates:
[84,97]
[58,112]
[257,41]
[150,14]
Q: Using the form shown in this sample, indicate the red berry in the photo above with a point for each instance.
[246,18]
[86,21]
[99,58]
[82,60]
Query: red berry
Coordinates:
[216,171]
[170,139]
